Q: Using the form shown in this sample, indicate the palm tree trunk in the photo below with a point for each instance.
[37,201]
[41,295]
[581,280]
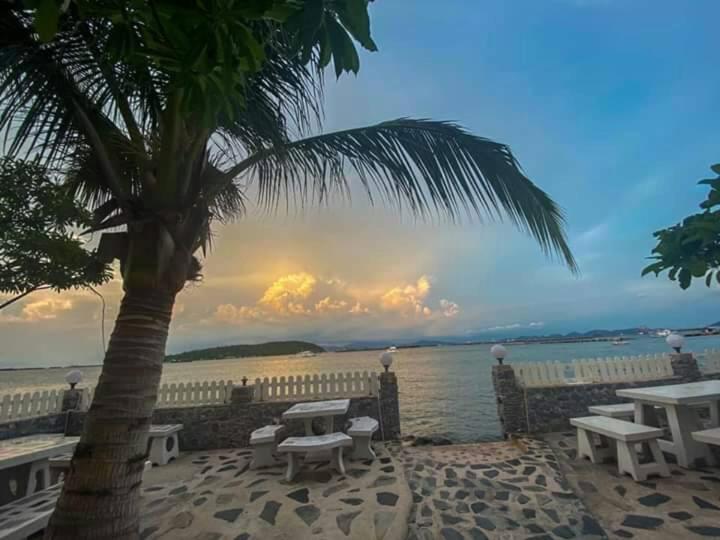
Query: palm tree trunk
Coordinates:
[101,495]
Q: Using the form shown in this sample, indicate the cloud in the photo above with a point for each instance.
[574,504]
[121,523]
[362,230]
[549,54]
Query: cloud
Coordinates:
[596,233]
[286,294]
[449,309]
[47,308]
[231,314]
[409,299]
[359,309]
[328,305]
[513,326]
[302,295]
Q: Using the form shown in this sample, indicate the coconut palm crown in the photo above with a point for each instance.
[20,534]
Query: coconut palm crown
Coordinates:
[163,115]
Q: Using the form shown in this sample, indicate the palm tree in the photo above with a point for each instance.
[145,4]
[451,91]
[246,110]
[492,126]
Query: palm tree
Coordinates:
[162,114]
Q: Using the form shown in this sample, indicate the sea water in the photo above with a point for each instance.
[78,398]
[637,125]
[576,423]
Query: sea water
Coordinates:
[445,391]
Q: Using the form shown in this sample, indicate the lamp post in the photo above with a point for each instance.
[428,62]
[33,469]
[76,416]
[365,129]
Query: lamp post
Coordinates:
[499,352]
[676,341]
[386,360]
[73,378]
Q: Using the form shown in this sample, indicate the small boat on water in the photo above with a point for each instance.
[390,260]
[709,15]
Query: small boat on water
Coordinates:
[620,341]
[305,354]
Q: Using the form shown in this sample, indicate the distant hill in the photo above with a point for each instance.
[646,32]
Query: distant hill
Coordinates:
[272,348]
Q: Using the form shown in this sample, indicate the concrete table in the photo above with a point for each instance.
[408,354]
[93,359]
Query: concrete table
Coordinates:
[317,409]
[678,401]
[35,450]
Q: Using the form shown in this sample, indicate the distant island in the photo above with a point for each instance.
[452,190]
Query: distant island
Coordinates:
[272,348]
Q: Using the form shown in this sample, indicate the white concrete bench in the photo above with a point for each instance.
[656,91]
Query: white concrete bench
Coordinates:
[708,436]
[163,441]
[624,411]
[361,430]
[29,515]
[624,436]
[264,442]
[334,442]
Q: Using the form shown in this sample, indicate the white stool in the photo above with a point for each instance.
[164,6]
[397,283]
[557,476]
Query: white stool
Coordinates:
[264,442]
[164,444]
[361,430]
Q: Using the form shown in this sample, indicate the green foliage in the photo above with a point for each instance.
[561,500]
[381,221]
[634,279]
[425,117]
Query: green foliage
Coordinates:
[205,50]
[691,249]
[163,113]
[272,348]
[38,245]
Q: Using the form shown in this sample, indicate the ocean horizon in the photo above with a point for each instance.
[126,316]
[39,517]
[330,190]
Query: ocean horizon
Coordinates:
[444,391]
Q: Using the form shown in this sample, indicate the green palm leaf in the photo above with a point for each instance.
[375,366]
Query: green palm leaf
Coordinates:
[429,166]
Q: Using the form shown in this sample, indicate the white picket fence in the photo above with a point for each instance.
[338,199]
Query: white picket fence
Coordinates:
[709,361]
[317,386]
[197,393]
[594,370]
[30,404]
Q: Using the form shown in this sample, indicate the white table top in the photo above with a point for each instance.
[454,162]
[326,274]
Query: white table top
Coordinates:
[23,450]
[675,394]
[317,408]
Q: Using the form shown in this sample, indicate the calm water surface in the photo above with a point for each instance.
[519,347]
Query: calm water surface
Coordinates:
[444,391]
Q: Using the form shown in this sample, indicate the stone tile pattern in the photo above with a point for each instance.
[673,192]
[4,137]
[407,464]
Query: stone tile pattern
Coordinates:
[549,409]
[226,500]
[464,492]
[686,505]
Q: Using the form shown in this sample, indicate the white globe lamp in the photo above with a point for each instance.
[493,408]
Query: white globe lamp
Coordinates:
[676,341]
[73,377]
[499,352]
[386,360]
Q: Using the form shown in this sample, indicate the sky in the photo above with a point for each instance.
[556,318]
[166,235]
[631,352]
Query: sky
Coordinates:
[609,105]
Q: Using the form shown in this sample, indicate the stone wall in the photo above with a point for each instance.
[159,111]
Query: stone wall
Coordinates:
[229,426]
[510,400]
[550,408]
[225,426]
[54,423]
[547,409]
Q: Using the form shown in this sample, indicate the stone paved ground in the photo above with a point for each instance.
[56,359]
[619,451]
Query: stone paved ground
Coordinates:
[684,506]
[502,490]
[215,496]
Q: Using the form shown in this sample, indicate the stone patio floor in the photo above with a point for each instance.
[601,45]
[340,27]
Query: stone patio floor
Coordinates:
[500,490]
[684,506]
[521,489]
[216,496]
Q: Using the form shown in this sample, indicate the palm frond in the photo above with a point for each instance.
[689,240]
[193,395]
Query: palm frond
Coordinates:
[56,96]
[282,101]
[430,166]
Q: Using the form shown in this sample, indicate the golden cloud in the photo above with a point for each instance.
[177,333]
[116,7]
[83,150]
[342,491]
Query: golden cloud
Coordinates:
[408,300]
[47,308]
[306,295]
[328,305]
[286,294]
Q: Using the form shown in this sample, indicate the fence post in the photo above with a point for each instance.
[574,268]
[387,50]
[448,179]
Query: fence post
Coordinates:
[510,400]
[241,394]
[685,365]
[72,400]
[389,406]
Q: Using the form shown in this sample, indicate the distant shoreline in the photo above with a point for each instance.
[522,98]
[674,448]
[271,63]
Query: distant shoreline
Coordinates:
[508,342]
